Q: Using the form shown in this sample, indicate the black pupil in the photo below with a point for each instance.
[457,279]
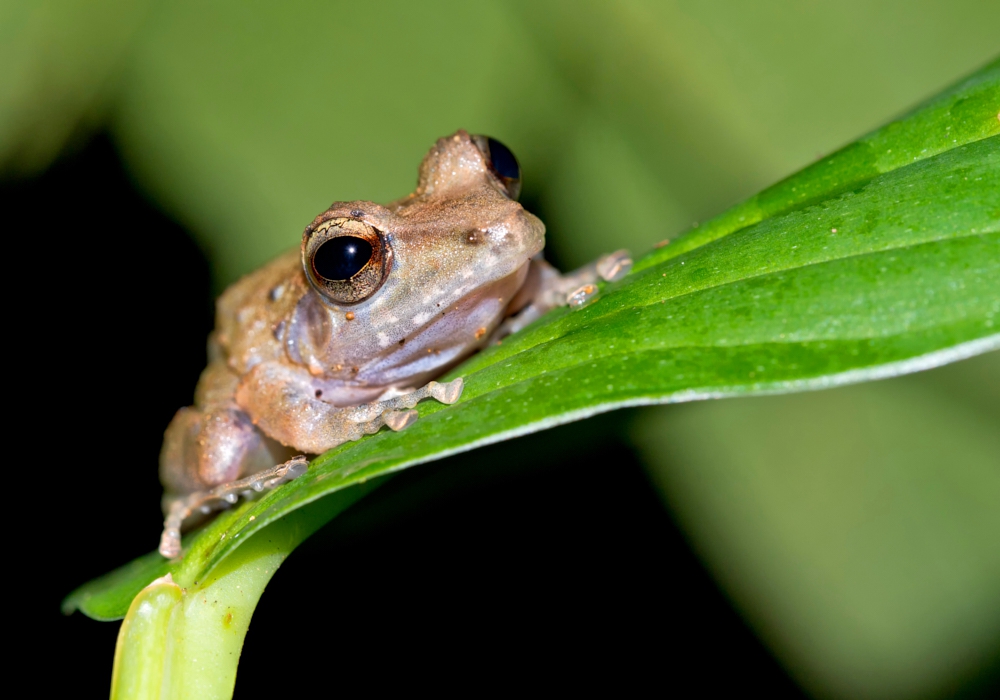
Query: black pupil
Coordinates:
[341,258]
[504,162]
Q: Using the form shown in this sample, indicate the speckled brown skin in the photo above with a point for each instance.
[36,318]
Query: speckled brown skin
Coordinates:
[292,370]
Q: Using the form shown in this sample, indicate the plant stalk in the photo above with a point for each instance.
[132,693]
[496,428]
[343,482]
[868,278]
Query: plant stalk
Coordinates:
[184,642]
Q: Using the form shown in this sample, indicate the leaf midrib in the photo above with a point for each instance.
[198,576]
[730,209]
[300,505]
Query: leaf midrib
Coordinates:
[610,315]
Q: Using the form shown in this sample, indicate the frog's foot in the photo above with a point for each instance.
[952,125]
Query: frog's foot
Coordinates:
[610,268]
[550,289]
[283,405]
[397,410]
[222,497]
[557,289]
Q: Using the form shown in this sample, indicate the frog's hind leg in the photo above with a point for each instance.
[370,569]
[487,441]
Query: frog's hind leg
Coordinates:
[310,425]
[221,497]
[208,453]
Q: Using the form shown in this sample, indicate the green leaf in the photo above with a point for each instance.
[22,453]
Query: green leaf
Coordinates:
[876,270]
[961,115]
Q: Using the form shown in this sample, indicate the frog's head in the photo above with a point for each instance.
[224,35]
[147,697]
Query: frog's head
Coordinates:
[416,285]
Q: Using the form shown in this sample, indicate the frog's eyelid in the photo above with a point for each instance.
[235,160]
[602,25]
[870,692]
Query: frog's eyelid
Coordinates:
[338,276]
[501,162]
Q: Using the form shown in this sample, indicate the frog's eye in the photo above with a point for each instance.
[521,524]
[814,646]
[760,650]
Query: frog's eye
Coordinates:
[502,164]
[339,259]
[345,260]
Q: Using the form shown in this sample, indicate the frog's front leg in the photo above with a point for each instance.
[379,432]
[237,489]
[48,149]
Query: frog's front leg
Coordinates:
[283,402]
[546,288]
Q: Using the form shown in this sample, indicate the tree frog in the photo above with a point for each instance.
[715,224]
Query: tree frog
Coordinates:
[345,335]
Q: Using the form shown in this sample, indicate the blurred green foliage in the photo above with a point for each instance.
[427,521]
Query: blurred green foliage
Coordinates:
[856,528]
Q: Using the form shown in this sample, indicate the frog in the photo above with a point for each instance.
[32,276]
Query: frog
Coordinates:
[346,334]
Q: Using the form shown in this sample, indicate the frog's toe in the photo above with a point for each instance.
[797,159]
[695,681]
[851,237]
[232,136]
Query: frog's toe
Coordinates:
[614,266]
[398,420]
[170,543]
[579,297]
[449,392]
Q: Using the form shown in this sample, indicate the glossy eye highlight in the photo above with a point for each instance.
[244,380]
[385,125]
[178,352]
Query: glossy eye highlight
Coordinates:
[341,258]
[502,163]
[346,260]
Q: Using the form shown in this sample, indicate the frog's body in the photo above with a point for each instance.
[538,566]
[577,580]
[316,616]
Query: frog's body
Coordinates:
[331,342]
